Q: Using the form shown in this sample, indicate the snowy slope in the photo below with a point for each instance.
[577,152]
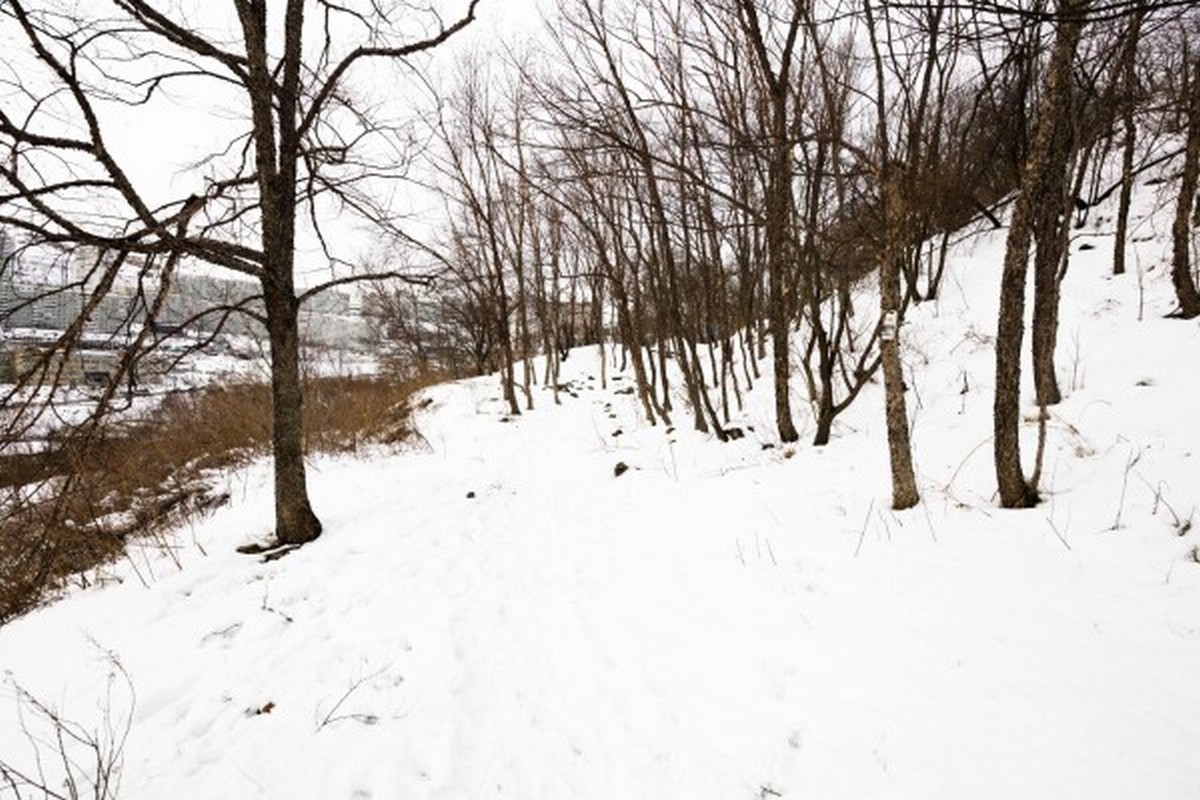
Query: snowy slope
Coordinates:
[722,621]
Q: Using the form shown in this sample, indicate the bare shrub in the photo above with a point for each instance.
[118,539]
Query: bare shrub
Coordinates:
[68,760]
[79,505]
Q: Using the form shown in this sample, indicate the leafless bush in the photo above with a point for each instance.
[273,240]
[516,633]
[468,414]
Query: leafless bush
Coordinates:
[68,760]
[81,504]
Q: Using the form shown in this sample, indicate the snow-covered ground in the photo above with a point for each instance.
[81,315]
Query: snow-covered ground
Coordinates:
[721,621]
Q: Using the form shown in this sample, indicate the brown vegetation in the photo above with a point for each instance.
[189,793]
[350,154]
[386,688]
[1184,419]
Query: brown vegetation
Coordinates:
[81,504]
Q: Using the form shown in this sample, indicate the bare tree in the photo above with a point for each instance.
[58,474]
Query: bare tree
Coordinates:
[1038,190]
[777,74]
[1127,100]
[287,71]
[893,198]
[1181,229]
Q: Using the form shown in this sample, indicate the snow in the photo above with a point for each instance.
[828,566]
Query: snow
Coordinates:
[721,621]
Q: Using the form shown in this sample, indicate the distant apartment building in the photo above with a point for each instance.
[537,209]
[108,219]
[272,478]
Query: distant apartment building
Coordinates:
[48,290]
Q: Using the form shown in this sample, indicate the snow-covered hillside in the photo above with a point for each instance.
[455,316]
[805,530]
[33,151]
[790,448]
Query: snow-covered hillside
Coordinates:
[494,613]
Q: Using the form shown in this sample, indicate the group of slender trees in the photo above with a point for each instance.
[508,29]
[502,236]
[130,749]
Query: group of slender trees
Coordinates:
[720,185]
[722,191]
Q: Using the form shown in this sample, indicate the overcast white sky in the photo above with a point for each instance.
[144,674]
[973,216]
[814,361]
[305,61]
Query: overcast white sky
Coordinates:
[159,144]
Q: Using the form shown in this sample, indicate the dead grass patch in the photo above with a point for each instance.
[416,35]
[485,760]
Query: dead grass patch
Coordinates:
[79,506]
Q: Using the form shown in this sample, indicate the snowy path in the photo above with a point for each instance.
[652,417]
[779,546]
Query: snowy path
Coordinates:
[722,621]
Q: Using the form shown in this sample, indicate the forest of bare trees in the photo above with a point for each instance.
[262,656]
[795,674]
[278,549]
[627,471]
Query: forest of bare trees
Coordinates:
[725,186]
[712,192]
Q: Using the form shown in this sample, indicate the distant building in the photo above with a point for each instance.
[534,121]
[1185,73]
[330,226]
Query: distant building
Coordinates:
[44,291]
[48,291]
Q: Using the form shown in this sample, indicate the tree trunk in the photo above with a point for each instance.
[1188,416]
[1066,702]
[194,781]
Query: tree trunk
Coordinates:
[1036,191]
[276,156]
[777,221]
[1128,98]
[1053,228]
[508,378]
[1052,250]
[935,275]
[1045,320]
[1127,153]
[904,483]
[295,522]
[1181,231]
[892,259]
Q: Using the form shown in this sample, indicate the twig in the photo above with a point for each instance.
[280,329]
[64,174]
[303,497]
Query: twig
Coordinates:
[929,521]
[1129,465]
[1054,528]
[332,716]
[862,534]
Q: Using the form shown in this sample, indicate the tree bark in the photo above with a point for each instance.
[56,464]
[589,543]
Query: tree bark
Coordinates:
[276,155]
[777,220]
[894,201]
[778,200]
[1127,153]
[1181,230]
[904,483]
[295,522]
[1049,251]
[1015,491]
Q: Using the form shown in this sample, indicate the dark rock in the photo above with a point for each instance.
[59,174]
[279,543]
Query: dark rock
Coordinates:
[620,469]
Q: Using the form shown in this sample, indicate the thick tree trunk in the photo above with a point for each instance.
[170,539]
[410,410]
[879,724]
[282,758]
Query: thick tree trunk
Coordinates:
[1038,188]
[276,154]
[1181,230]
[295,522]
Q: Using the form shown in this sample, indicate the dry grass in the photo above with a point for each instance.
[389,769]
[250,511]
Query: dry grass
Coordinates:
[64,513]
